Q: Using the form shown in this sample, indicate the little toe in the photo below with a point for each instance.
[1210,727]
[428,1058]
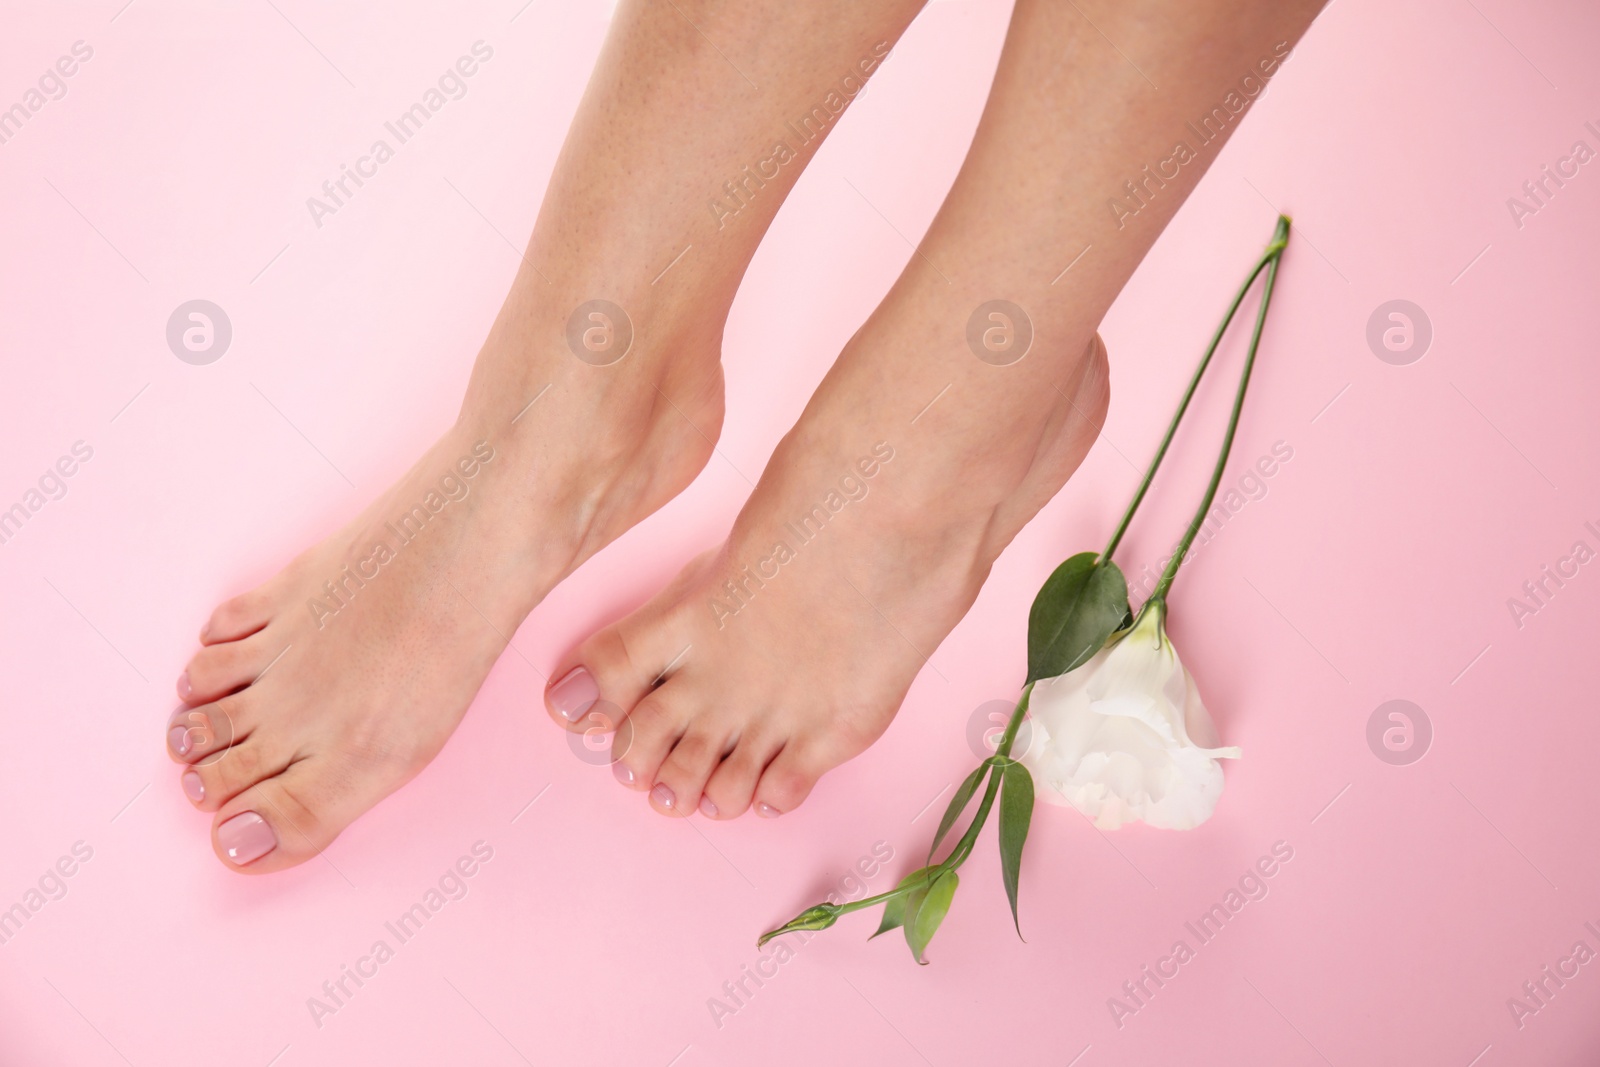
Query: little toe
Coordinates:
[646,737]
[728,793]
[220,669]
[786,782]
[681,781]
[236,618]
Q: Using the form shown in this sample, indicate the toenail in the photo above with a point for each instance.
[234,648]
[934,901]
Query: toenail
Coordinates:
[573,694]
[708,809]
[246,838]
[767,811]
[205,632]
[662,796]
[184,688]
[178,740]
[193,787]
[623,774]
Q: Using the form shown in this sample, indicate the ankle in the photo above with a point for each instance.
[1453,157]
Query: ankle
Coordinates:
[987,430]
[588,446]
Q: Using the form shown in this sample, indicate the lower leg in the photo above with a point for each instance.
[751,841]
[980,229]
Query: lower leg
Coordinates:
[1077,155]
[984,410]
[323,690]
[697,122]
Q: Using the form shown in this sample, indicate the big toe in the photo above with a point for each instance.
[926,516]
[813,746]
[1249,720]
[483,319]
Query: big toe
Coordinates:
[598,684]
[284,820]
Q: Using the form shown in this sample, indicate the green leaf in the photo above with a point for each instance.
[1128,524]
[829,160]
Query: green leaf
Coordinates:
[1016,811]
[818,918]
[1078,607]
[958,804]
[925,910]
[894,909]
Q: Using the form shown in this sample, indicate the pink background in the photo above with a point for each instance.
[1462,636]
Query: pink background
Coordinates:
[1378,566]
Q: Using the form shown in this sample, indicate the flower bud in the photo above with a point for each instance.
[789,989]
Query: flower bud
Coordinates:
[818,918]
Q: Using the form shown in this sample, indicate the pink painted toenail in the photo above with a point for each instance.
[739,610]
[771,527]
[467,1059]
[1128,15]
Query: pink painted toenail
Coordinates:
[767,811]
[246,838]
[708,809]
[193,787]
[184,688]
[623,774]
[178,740]
[574,693]
[662,796]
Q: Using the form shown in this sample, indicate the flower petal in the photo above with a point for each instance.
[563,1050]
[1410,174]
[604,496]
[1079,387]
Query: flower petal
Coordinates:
[1127,737]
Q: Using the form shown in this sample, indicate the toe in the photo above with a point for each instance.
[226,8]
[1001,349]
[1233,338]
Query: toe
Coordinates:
[652,728]
[211,784]
[786,782]
[732,785]
[598,680]
[203,733]
[217,670]
[571,696]
[236,618]
[281,821]
[245,838]
[681,781]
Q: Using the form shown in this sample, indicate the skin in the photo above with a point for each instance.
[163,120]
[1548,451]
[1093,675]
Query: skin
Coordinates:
[725,713]
[308,718]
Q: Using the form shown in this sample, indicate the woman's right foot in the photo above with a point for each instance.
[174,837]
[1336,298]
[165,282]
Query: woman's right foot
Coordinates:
[787,650]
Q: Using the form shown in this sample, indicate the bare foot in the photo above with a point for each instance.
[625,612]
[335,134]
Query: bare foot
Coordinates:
[787,651]
[328,687]
[324,690]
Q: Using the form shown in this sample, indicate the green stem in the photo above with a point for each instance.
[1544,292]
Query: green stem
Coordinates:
[867,902]
[963,848]
[1274,250]
[1270,261]
[1009,738]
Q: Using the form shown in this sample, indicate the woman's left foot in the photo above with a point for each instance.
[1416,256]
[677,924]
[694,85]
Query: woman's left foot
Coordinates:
[787,651]
[322,691]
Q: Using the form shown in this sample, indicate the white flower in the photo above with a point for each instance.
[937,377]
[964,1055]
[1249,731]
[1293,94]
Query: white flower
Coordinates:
[1125,735]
